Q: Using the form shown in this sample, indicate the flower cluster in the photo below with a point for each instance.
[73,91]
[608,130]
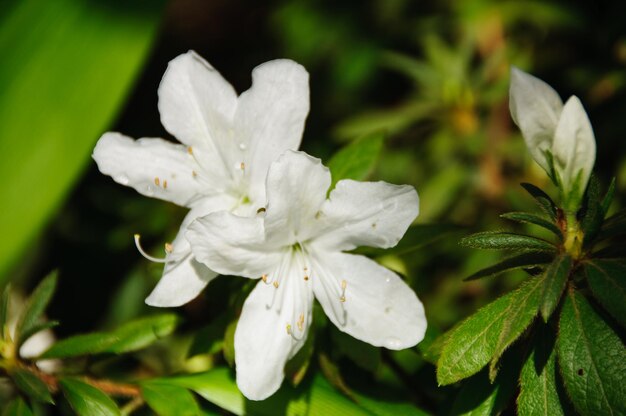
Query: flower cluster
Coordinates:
[258,208]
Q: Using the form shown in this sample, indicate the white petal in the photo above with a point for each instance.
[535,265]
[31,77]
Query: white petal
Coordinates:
[262,343]
[154,167]
[375,214]
[270,117]
[574,147]
[296,189]
[197,106]
[232,245]
[379,307]
[535,108]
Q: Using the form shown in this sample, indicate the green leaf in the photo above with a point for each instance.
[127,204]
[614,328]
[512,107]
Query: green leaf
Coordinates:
[360,353]
[4,311]
[169,400]
[229,343]
[132,336]
[608,198]
[522,311]
[86,400]
[499,240]
[545,202]
[555,279]
[474,342]
[67,68]
[36,306]
[592,359]
[17,407]
[539,393]
[607,281]
[528,218]
[297,367]
[41,326]
[480,397]
[32,386]
[209,339]
[613,226]
[416,237]
[357,159]
[522,261]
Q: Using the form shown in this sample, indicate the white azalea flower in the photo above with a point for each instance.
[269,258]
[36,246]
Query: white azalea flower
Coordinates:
[296,248]
[228,145]
[554,131]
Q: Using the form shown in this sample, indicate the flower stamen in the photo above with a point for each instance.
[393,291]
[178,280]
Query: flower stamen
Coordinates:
[344,284]
[146,255]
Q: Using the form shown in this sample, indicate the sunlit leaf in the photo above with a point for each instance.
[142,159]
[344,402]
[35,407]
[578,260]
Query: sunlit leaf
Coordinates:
[169,400]
[357,159]
[607,281]
[36,306]
[592,359]
[86,400]
[4,310]
[555,279]
[528,218]
[67,68]
[498,240]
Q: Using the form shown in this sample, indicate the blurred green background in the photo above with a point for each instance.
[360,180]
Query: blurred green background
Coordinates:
[432,74]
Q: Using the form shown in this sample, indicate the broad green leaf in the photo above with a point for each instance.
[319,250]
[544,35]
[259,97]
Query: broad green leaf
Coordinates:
[4,311]
[35,307]
[545,202]
[386,407]
[32,386]
[132,336]
[499,240]
[528,218]
[357,159]
[17,407]
[169,400]
[360,353]
[607,281]
[522,311]
[416,237]
[473,342]
[555,279]
[86,400]
[209,339]
[521,261]
[538,381]
[592,359]
[614,226]
[480,397]
[67,67]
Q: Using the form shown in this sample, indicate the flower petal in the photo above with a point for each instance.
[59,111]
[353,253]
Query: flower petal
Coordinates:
[535,108]
[270,117]
[574,148]
[296,189]
[375,214]
[378,308]
[262,343]
[154,167]
[230,244]
[196,106]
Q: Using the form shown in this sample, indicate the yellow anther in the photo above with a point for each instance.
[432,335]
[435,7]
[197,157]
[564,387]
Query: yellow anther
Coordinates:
[344,284]
[264,278]
[306,278]
[260,210]
[168,247]
[190,150]
[306,268]
[342,299]
[164,184]
[288,329]
[157,182]
[242,166]
[275,284]
[300,323]
[194,173]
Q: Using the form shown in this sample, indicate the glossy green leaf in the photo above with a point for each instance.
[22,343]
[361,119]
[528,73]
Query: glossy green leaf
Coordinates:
[36,306]
[169,400]
[17,407]
[528,218]
[545,202]
[555,279]
[522,311]
[4,310]
[592,359]
[473,343]
[32,386]
[357,159]
[607,281]
[498,240]
[132,336]
[86,400]
[67,68]
[539,393]
[521,261]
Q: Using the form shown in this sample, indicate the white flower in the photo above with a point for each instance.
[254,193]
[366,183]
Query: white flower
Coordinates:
[296,248]
[228,145]
[553,130]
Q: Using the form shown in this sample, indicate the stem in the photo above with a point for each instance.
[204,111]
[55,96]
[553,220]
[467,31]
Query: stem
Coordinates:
[131,406]
[573,236]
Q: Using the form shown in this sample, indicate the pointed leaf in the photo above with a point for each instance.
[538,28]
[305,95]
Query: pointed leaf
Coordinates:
[607,281]
[480,397]
[94,343]
[608,198]
[38,327]
[490,240]
[473,343]
[592,359]
[522,261]
[592,212]
[543,199]
[555,279]
[416,237]
[522,311]
[539,394]
[357,159]
[32,386]
[4,311]
[36,306]
[17,407]
[86,400]
[169,400]
[528,218]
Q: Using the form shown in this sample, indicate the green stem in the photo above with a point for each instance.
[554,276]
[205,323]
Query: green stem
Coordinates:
[573,236]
